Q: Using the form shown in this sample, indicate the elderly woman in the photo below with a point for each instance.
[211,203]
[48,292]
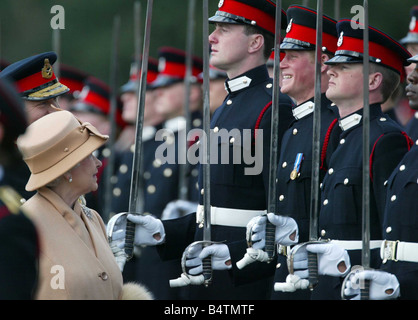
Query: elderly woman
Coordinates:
[76,261]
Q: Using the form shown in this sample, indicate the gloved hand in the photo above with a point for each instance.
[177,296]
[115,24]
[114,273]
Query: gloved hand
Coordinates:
[220,257]
[287,232]
[332,259]
[178,208]
[149,230]
[383,285]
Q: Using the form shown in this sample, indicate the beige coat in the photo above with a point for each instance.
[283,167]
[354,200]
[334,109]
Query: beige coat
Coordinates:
[76,261]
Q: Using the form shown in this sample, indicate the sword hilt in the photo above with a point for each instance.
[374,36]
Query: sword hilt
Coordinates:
[365,290]
[129,239]
[270,246]
[207,269]
[313,270]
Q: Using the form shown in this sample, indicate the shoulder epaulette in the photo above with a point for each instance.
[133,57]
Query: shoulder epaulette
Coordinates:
[10,198]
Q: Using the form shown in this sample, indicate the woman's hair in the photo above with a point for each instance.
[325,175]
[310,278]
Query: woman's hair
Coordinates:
[56,181]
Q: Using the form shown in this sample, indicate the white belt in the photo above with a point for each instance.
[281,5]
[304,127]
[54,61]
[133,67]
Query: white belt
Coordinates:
[356,244]
[399,251]
[227,216]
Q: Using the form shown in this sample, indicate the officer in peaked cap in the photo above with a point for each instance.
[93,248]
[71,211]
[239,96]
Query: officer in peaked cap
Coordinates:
[36,83]
[39,88]
[74,79]
[399,248]
[294,171]
[19,249]
[341,191]
[235,196]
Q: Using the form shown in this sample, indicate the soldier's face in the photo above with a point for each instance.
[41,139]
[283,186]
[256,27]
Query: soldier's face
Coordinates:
[229,47]
[37,109]
[345,87]
[169,101]
[298,75]
[412,88]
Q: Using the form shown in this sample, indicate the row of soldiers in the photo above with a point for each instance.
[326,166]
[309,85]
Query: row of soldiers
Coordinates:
[241,47]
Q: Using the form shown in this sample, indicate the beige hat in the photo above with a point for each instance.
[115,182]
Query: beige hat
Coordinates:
[54,144]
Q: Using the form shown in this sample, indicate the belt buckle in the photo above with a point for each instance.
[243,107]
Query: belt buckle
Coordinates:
[283,250]
[390,248]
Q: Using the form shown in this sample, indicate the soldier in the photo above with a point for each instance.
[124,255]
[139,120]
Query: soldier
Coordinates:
[217,92]
[241,45]
[39,88]
[411,44]
[74,79]
[398,274]
[18,236]
[298,81]
[341,191]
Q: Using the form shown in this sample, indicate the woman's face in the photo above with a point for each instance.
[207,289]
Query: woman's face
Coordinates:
[85,175]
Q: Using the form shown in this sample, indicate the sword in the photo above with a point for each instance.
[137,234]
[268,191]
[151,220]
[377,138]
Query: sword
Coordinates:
[316,151]
[365,252]
[207,265]
[112,115]
[270,247]
[137,158]
[184,167]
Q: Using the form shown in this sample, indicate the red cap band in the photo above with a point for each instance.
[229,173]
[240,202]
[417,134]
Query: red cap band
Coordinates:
[307,34]
[386,56]
[97,100]
[263,19]
[33,81]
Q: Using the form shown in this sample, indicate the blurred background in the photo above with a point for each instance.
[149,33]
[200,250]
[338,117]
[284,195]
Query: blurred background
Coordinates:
[86,41]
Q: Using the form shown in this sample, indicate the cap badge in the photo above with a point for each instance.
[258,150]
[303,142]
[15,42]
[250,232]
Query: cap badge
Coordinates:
[340,39]
[289,26]
[47,70]
[221,3]
[412,23]
[161,64]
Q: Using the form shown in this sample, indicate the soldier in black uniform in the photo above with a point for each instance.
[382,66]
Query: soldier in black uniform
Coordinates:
[341,192]
[19,252]
[298,81]
[241,45]
[39,88]
[398,274]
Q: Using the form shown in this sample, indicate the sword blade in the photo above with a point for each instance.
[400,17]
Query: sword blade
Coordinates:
[316,150]
[207,265]
[270,247]
[365,252]
[134,196]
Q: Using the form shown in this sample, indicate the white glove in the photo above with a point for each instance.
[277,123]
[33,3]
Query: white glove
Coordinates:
[330,257]
[178,208]
[293,283]
[287,232]
[383,285]
[220,257]
[148,230]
